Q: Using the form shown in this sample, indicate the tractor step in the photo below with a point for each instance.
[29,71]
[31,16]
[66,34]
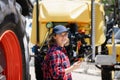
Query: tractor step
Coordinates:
[105,60]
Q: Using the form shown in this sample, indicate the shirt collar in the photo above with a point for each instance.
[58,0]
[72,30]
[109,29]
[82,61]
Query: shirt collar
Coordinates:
[60,48]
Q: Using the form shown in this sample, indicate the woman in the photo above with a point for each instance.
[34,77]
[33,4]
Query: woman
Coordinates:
[57,64]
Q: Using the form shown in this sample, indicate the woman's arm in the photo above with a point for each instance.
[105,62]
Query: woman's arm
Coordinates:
[76,65]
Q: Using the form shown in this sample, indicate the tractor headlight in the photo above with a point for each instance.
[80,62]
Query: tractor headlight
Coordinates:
[49,25]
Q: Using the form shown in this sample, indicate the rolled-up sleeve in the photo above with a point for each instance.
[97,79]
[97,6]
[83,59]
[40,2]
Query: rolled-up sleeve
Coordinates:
[56,69]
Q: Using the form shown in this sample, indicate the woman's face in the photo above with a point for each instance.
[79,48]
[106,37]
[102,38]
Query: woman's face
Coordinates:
[61,38]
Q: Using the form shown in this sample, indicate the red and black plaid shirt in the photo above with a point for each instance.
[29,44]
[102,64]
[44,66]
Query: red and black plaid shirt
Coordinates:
[56,61]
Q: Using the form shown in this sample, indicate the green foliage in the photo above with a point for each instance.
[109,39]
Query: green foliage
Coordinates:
[109,6]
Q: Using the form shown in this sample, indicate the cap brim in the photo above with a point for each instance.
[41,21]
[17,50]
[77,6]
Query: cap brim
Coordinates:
[63,31]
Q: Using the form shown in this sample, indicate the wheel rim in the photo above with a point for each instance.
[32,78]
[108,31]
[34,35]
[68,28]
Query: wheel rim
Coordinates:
[12,53]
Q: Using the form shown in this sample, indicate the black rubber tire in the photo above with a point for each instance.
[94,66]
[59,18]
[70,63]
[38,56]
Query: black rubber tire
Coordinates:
[9,24]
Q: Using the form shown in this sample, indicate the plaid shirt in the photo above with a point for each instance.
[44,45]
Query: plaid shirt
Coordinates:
[57,61]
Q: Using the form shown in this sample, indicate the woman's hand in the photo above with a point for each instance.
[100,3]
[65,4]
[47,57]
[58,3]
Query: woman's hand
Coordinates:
[76,65]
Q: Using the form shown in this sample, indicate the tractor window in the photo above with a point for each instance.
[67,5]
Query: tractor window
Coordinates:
[117,34]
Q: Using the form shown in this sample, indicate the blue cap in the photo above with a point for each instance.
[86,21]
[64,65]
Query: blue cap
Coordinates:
[59,29]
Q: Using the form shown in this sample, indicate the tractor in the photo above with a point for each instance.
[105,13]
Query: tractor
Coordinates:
[94,32]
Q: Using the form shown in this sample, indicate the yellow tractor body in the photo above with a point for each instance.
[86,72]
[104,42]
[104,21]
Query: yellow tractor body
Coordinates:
[72,12]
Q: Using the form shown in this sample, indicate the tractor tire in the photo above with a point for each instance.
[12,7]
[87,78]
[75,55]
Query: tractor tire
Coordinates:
[14,57]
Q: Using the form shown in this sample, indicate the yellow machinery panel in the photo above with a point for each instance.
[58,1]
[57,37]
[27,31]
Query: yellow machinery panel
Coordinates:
[77,11]
[110,48]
